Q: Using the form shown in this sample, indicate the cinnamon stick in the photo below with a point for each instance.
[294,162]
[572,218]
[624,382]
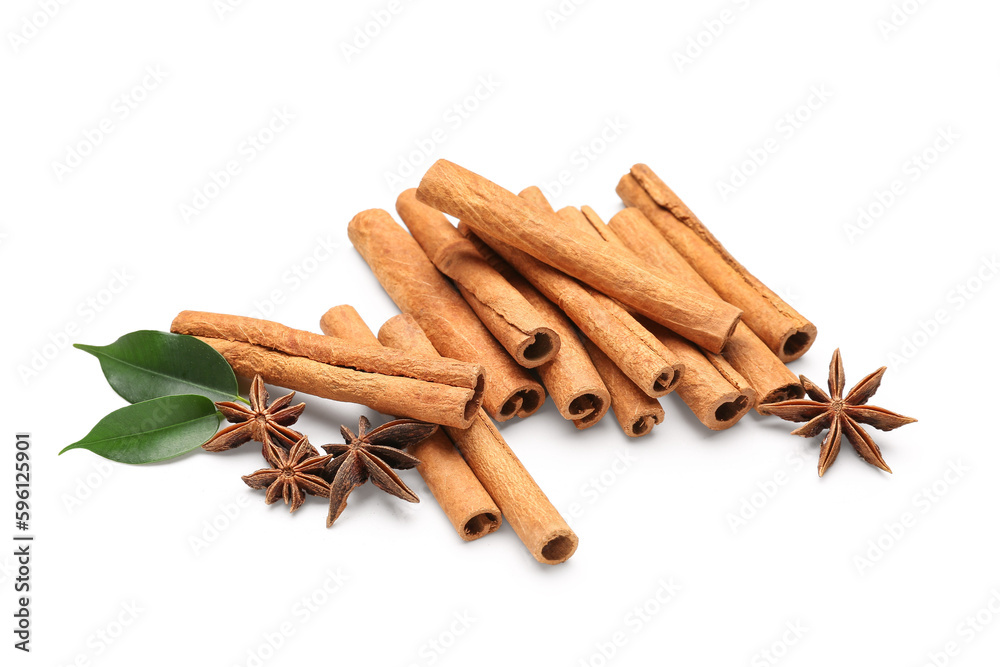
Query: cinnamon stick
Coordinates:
[528,511]
[345,323]
[495,212]
[534,196]
[749,355]
[637,412]
[465,502]
[717,395]
[712,389]
[633,349]
[570,377]
[441,391]
[785,331]
[510,318]
[420,290]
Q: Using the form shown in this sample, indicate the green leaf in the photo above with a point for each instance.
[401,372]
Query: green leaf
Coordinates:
[149,364]
[153,430]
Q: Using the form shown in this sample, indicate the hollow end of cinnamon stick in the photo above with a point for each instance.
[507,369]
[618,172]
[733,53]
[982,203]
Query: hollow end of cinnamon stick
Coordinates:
[558,547]
[641,426]
[729,410]
[476,402]
[662,381]
[795,342]
[537,348]
[586,409]
[523,401]
[480,524]
[666,382]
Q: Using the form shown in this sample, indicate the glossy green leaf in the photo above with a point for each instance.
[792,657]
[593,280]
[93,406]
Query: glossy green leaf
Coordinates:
[153,430]
[148,364]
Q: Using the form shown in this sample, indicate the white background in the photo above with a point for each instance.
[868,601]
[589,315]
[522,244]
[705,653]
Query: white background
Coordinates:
[825,556]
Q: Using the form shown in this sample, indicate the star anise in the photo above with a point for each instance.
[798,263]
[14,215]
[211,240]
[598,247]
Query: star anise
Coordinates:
[840,415]
[294,471]
[373,454]
[263,423]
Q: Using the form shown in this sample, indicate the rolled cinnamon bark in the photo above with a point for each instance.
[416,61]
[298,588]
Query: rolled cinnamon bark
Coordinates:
[534,195]
[633,349]
[465,502]
[717,395]
[785,331]
[748,354]
[529,512]
[345,323]
[712,389]
[443,392]
[495,212]
[577,219]
[510,318]
[570,377]
[420,290]
[637,412]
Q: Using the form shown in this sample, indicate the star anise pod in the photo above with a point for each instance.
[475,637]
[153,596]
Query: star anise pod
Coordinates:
[263,423]
[843,416]
[294,473]
[373,454]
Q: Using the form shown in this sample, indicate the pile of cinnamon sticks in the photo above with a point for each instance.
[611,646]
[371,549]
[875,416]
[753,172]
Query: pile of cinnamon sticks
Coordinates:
[518,300]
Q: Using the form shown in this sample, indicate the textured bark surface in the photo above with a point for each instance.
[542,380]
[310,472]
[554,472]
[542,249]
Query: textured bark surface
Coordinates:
[640,356]
[345,323]
[637,413]
[389,394]
[716,394]
[570,377]
[746,352]
[381,379]
[325,349]
[458,491]
[528,511]
[420,290]
[522,331]
[785,331]
[495,212]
